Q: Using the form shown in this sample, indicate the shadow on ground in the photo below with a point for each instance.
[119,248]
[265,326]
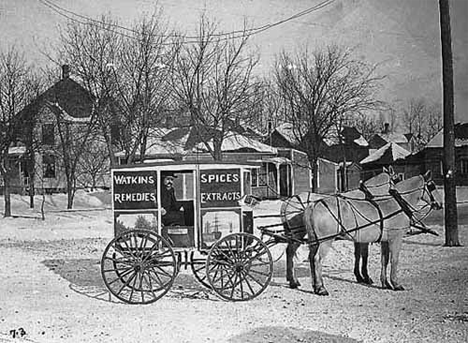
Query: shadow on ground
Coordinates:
[279,334]
[84,276]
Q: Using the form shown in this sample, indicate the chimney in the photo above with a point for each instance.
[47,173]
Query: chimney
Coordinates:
[386,128]
[65,71]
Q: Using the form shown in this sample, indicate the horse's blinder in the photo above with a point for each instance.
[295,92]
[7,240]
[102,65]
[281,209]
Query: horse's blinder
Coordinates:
[430,186]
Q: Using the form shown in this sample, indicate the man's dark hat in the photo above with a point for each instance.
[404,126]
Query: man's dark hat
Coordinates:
[166,174]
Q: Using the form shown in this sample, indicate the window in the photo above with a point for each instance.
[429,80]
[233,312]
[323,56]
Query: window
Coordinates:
[262,176]
[48,163]
[464,167]
[48,136]
[254,177]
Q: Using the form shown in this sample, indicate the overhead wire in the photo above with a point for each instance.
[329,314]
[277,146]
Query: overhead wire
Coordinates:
[191,39]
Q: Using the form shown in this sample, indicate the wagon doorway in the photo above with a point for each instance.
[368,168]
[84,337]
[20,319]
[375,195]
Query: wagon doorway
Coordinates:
[285,189]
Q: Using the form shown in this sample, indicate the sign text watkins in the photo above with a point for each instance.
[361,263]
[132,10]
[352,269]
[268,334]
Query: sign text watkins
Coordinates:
[134,190]
[220,187]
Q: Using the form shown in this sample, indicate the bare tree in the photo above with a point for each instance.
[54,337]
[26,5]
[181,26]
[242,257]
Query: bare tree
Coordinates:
[141,84]
[422,120]
[321,88]
[88,50]
[128,75]
[213,81]
[366,123]
[17,88]
[73,137]
[94,163]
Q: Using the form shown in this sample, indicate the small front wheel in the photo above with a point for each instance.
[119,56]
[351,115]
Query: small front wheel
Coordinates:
[138,266]
[239,267]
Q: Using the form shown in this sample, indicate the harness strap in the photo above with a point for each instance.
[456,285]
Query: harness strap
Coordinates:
[369,197]
[402,202]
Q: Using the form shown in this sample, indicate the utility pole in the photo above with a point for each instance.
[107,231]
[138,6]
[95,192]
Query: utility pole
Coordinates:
[450,191]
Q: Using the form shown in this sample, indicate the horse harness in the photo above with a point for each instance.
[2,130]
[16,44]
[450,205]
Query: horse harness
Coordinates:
[369,197]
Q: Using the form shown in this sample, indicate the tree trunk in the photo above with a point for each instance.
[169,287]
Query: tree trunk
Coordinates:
[32,179]
[6,195]
[451,221]
[70,192]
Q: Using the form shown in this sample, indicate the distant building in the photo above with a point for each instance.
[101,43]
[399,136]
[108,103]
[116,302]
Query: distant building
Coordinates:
[432,155]
[350,145]
[406,141]
[391,154]
[65,100]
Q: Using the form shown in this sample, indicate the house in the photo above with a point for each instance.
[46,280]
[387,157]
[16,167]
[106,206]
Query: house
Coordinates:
[432,155]
[66,102]
[349,146]
[392,154]
[406,141]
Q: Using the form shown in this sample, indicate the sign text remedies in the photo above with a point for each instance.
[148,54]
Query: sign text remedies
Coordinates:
[134,190]
[220,187]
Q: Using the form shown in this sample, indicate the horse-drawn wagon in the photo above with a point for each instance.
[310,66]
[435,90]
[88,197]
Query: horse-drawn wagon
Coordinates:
[215,231]
[215,236]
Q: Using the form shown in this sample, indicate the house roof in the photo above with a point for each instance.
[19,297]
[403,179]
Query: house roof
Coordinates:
[182,141]
[286,130]
[348,135]
[387,154]
[461,137]
[395,137]
[66,94]
[235,141]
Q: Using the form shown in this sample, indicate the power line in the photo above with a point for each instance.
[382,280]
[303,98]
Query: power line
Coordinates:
[228,35]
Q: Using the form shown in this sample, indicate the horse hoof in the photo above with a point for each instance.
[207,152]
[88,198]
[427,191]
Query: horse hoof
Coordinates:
[398,288]
[387,286]
[321,291]
[294,285]
[368,281]
[360,280]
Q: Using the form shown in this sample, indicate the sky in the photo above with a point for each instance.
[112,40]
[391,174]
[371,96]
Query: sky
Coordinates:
[401,36]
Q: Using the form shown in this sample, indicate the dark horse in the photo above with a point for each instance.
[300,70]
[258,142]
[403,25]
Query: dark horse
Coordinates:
[292,213]
[361,221]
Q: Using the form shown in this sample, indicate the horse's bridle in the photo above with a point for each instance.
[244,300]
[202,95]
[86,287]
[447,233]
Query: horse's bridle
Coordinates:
[427,187]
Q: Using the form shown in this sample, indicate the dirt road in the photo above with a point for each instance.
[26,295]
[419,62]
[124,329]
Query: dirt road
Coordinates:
[51,291]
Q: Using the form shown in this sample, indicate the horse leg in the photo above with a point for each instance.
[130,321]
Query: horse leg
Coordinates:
[364,248]
[317,253]
[290,271]
[395,248]
[357,258]
[384,252]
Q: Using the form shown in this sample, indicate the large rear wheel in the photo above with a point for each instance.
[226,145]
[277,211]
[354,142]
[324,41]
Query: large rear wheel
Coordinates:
[239,267]
[138,267]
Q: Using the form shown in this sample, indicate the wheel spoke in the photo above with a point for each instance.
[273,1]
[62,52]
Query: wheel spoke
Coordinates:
[120,277]
[126,283]
[138,266]
[231,262]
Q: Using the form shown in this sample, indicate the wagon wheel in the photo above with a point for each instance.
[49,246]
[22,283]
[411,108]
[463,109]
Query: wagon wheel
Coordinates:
[198,266]
[292,210]
[239,267]
[138,267]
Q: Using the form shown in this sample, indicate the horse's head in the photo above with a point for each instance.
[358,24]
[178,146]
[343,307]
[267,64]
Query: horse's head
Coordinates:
[419,192]
[430,195]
